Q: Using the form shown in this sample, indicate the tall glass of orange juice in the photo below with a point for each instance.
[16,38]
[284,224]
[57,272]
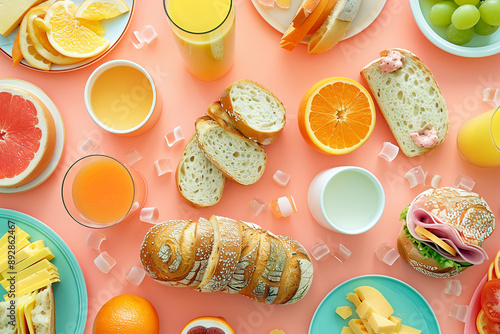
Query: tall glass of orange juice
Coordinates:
[99,191]
[205,34]
[479,139]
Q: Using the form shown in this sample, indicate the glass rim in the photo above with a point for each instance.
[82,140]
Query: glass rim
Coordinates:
[495,112]
[198,33]
[103,225]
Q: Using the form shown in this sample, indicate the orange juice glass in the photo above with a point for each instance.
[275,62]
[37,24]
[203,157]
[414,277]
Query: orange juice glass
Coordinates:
[99,191]
[479,139]
[205,34]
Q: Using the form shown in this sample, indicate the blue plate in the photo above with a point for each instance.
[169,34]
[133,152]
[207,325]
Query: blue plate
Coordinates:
[71,293]
[408,304]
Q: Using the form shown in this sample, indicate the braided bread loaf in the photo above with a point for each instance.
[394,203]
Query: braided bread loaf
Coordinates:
[221,254]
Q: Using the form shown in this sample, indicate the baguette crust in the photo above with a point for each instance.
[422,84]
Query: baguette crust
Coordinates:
[240,258]
[410,100]
[253,110]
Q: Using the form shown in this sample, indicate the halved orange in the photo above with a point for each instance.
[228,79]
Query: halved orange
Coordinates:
[201,325]
[336,116]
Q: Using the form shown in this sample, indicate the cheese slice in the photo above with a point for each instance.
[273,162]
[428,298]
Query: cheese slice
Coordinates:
[346,330]
[397,321]
[44,253]
[40,265]
[18,233]
[28,307]
[23,254]
[12,12]
[379,324]
[369,329]
[353,298]
[30,284]
[404,329]
[364,310]
[344,311]
[356,325]
[434,238]
[4,257]
[19,311]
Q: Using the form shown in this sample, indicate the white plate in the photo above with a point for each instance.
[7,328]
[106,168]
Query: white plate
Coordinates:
[56,156]
[115,27]
[280,18]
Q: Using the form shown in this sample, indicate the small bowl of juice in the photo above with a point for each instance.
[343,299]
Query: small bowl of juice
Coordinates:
[99,191]
[121,97]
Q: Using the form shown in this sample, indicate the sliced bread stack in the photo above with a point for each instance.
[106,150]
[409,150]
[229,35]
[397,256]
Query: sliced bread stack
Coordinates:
[226,143]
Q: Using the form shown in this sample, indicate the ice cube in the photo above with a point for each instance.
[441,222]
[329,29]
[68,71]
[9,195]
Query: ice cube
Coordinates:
[163,166]
[174,136]
[453,287]
[283,206]
[341,253]
[104,262]
[257,206]
[132,158]
[389,151]
[94,240]
[464,182]
[149,215]
[386,253]
[433,180]
[415,176]
[88,146]
[458,312]
[281,178]
[319,250]
[143,37]
[136,275]
[492,96]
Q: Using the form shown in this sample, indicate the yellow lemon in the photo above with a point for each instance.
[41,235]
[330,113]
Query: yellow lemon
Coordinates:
[101,9]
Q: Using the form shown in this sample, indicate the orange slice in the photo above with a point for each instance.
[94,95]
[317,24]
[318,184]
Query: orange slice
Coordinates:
[336,116]
[95,10]
[199,325]
[485,325]
[68,36]
[17,55]
[432,237]
[491,271]
[28,49]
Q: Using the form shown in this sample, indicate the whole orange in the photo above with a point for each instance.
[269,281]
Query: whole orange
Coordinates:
[127,314]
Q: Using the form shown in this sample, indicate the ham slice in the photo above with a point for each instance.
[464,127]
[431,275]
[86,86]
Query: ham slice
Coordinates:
[418,216]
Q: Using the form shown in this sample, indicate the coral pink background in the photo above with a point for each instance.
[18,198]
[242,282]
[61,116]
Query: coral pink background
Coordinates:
[288,75]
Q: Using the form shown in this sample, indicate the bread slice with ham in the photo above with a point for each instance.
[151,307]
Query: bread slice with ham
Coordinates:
[239,257]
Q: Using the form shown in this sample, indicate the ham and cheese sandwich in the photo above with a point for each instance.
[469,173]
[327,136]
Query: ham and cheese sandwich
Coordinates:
[443,231]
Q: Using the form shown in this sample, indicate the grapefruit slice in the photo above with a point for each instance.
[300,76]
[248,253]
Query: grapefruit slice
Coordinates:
[27,136]
[208,325]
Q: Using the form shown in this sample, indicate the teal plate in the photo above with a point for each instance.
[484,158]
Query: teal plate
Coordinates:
[71,293]
[408,304]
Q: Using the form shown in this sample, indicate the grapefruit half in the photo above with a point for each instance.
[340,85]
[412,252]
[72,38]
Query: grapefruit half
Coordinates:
[27,136]
[208,325]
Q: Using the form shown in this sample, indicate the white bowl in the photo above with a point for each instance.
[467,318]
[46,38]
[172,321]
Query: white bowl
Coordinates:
[480,46]
[348,200]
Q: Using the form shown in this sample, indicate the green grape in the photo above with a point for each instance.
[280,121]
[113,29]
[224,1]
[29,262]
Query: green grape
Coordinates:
[466,2]
[459,36]
[441,12]
[490,12]
[465,17]
[485,29]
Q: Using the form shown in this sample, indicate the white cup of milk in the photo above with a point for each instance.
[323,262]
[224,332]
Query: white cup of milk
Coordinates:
[348,200]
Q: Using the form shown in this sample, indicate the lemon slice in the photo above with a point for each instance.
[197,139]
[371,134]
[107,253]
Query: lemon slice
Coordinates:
[68,36]
[28,49]
[95,26]
[432,237]
[101,9]
[40,41]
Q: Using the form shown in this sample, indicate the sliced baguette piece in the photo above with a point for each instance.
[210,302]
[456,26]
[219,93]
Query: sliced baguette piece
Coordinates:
[239,158]
[334,27]
[198,180]
[8,324]
[43,315]
[253,110]
[410,100]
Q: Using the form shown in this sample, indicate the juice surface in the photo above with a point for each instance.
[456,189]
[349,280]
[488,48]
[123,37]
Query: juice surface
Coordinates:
[121,97]
[350,200]
[476,140]
[198,16]
[103,191]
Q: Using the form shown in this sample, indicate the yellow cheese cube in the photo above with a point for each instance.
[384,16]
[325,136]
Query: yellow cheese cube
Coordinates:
[346,330]
[376,300]
[367,326]
[356,325]
[381,324]
[353,298]
[344,311]
[397,321]
[364,309]
[404,329]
